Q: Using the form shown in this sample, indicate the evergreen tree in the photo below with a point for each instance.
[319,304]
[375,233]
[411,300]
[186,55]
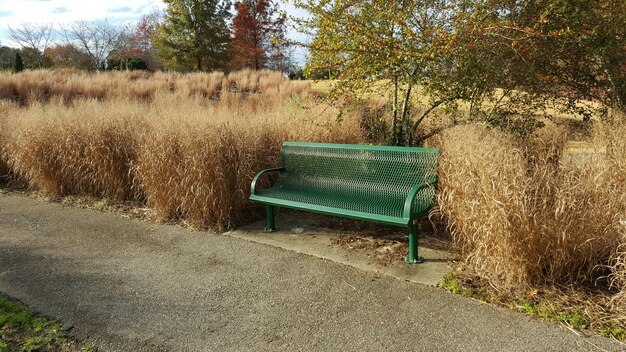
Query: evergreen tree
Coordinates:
[194,34]
[19,64]
[7,58]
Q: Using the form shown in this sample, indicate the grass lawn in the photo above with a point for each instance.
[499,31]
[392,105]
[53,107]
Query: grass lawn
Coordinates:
[21,330]
[382,89]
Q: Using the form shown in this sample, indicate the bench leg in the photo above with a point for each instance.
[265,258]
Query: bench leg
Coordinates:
[270,227]
[413,258]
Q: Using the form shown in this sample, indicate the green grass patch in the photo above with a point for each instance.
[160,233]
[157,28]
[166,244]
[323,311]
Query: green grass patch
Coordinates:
[453,283]
[570,316]
[21,330]
[613,330]
[580,310]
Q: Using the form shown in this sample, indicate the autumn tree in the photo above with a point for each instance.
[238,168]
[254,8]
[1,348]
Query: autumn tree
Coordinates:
[551,49]
[68,55]
[508,60]
[194,34]
[396,46]
[134,48]
[259,39]
[144,36]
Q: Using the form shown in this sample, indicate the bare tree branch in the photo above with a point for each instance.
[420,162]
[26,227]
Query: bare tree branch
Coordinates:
[96,38]
[37,37]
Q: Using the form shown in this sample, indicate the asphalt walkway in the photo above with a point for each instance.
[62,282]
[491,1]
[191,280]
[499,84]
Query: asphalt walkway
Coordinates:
[129,285]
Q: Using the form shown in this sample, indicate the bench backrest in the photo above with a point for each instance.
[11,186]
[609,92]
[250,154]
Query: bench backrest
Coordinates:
[384,173]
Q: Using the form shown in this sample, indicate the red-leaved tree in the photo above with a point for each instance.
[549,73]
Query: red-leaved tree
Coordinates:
[258,31]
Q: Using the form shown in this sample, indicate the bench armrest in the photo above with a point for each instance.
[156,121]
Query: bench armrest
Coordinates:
[256,178]
[408,203]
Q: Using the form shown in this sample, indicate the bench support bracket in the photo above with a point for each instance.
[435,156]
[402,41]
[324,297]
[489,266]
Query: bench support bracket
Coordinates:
[270,226]
[413,258]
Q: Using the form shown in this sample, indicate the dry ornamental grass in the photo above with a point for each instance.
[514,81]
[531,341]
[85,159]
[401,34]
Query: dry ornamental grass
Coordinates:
[527,213]
[522,213]
[188,145]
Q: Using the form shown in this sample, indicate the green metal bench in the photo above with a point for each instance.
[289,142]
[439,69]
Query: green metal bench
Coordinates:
[389,185]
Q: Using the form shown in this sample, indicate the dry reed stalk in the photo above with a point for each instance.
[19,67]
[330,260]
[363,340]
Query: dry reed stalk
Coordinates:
[66,86]
[522,215]
[576,204]
[481,174]
[617,279]
[199,169]
[5,108]
[88,149]
[202,173]
[612,138]
[181,141]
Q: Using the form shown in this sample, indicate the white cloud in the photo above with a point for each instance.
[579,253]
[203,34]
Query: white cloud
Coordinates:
[59,11]
[15,12]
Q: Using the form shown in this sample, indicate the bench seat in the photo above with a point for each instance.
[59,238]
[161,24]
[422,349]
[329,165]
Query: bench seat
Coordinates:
[389,185]
[361,208]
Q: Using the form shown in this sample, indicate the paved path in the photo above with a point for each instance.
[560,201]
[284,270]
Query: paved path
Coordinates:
[129,285]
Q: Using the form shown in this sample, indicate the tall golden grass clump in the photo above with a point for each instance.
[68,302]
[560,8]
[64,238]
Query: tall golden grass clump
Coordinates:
[201,172]
[614,140]
[88,149]
[527,213]
[65,86]
[4,111]
[481,176]
[617,278]
[189,147]
[199,166]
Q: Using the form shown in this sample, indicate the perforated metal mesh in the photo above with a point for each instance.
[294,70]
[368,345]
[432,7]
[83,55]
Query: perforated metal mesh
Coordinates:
[367,179]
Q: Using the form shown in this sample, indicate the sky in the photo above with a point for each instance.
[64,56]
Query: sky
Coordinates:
[16,12]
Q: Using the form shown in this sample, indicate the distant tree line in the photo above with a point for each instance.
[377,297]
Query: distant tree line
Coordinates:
[190,35]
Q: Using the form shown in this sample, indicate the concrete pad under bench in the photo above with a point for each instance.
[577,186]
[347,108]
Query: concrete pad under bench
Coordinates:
[301,232]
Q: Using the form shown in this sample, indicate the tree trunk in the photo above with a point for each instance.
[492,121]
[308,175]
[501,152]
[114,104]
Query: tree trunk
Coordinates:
[405,111]
[394,121]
